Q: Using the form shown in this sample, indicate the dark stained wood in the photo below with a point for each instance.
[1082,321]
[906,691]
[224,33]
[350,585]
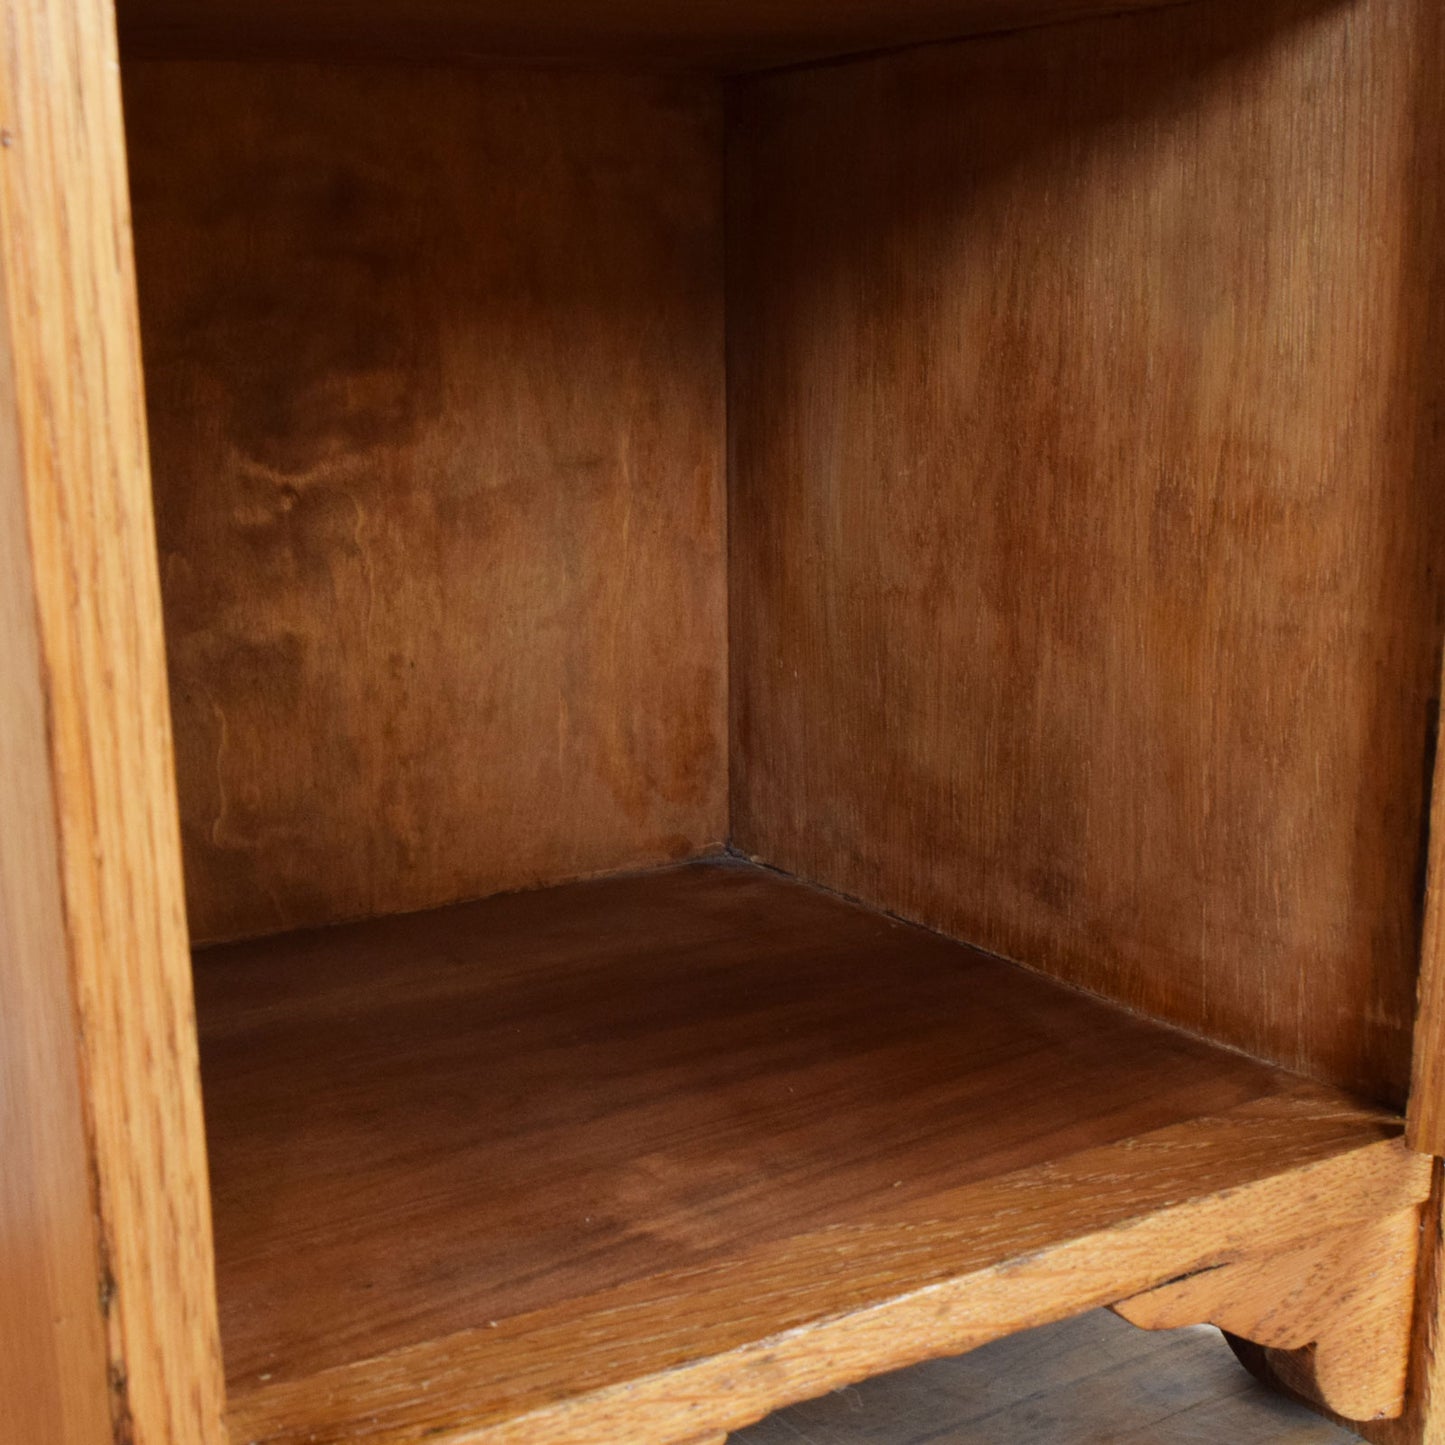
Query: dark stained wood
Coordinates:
[1086,523]
[450,1139]
[1426,1129]
[717,34]
[435,376]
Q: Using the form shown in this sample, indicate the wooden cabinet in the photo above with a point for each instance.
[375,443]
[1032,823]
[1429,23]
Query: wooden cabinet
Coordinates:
[701,699]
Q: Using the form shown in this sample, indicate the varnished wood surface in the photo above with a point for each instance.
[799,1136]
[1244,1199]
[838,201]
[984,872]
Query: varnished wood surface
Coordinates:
[435,375]
[107,1309]
[1086,518]
[53,1375]
[1087,1381]
[1427,1084]
[1341,1303]
[708,34]
[1423,1422]
[721,1344]
[643,1071]
[1290,1373]
[535,1148]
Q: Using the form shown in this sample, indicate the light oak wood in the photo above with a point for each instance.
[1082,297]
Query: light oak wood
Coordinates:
[94,863]
[716,34]
[53,1375]
[1422,1422]
[1342,1300]
[734,1141]
[1085,531]
[435,376]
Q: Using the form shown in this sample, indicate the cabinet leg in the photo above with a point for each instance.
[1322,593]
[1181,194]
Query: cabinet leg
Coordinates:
[1422,1422]
[1329,1319]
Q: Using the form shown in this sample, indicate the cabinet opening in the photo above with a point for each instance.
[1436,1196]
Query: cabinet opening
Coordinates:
[798,692]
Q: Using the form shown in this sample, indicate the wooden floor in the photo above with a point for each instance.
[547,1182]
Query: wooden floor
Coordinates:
[1088,1381]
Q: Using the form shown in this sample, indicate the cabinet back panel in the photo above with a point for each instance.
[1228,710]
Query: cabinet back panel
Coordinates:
[1085,416]
[435,383]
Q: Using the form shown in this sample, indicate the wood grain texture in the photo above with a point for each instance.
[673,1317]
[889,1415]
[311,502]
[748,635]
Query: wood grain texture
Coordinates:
[1422,1422]
[1341,1302]
[435,375]
[572,1156]
[1426,1126]
[724,1343]
[1085,521]
[54,1386]
[102,1040]
[714,34]
[674,1063]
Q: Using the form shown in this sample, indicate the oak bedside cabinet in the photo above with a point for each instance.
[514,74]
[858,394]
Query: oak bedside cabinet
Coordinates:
[705,696]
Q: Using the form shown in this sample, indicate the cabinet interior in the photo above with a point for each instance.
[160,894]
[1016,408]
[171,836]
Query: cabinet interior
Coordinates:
[876,519]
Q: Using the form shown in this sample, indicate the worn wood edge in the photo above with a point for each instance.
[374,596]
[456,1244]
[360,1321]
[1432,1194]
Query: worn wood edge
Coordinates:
[1422,1421]
[1425,1122]
[1342,1301]
[66,256]
[988,1260]
[53,1357]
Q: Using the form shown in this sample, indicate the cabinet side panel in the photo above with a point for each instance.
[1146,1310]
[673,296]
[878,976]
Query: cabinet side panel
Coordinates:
[1085,398]
[1426,1130]
[435,376]
[52,1342]
[97,1034]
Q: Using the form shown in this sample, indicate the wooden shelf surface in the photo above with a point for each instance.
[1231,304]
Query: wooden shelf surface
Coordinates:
[692,1144]
[723,35]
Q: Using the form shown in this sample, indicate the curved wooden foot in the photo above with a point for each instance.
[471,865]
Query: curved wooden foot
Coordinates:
[1289,1373]
[1329,1320]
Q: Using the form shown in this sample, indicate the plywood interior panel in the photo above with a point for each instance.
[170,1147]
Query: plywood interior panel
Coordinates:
[708,34]
[1086,519]
[434,364]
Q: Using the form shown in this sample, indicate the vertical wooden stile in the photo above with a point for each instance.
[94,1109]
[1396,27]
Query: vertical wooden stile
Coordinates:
[97,1042]
[1426,1127]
